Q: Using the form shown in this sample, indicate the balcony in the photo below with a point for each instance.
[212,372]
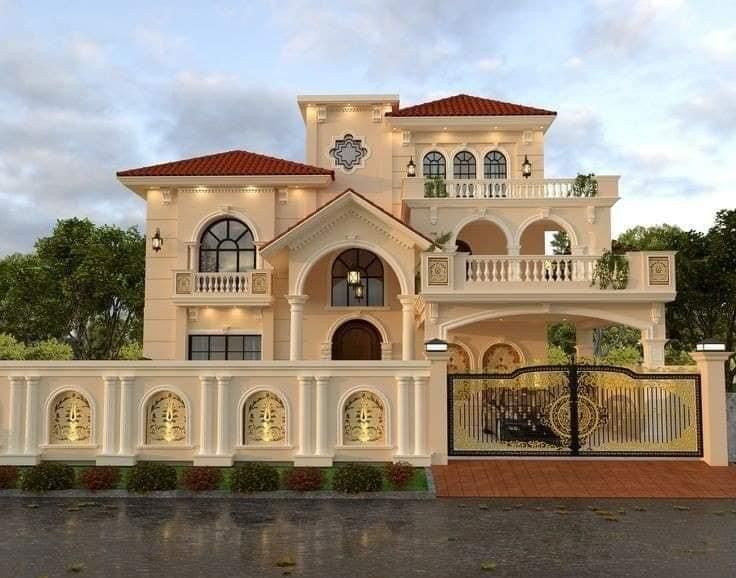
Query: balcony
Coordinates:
[243,288]
[479,278]
[508,189]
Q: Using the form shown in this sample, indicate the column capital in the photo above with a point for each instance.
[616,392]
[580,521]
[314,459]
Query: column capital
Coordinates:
[322,379]
[207,379]
[223,379]
[296,299]
[32,379]
[305,379]
[16,379]
[110,379]
[421,380]
[710,356]
[127,379]
[403,379]
[407,300]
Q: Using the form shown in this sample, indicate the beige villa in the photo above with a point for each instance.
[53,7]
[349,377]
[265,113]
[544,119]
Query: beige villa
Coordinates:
[292,308]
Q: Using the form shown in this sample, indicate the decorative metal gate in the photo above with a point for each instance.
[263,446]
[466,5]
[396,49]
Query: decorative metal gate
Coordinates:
[575,410]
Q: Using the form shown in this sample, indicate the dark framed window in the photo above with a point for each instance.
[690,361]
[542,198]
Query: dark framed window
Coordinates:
[371,278]
[225,246]
[463,165]
[494,165]
[225,347]
[434,165]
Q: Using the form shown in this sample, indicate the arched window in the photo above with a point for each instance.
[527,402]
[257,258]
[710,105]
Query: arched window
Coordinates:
[459,361]
[264,419]
[370,268]
[494,165]
[70,419]
[166,419]
[463,165]
[434,165]
[227,246]
[364,421]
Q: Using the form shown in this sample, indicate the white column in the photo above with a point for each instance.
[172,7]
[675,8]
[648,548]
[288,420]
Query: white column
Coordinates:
[653,350]
[109,415]
[15,425]
[207,413]
[32,413]
[407,326]
[127,416]
[321,415]
[223,415]
[305,415]
[403,415]
[420,416]
[584,348]
[296,326]
[711,366]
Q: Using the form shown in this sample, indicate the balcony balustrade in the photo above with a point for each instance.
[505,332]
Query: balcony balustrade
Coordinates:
[231,288]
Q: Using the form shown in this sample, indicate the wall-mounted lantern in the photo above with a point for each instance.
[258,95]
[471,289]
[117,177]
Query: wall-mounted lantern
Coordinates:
[411,168]
[526,168]
[157,241]
[353,278]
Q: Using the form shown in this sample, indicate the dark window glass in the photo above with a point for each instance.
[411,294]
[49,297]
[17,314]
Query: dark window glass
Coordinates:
[434,165]
[464,165]
[371,278]
[225,347]
[227,246]
[494,165]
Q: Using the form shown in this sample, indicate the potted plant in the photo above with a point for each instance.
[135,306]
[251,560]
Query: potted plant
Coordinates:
[585,186]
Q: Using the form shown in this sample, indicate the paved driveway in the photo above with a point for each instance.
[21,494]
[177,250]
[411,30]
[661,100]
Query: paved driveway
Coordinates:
[544,478]
[372,538]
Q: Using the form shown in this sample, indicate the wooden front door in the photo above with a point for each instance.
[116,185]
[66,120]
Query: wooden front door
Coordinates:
[356,340]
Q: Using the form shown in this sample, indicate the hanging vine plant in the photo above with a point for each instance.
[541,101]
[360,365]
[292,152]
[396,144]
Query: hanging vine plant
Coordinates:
[611,271]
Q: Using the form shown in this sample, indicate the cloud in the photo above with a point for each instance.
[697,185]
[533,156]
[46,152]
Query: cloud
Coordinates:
[721,43]
[714,110]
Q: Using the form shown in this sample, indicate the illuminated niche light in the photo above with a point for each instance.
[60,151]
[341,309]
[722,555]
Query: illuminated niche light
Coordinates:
[264,415]
[70,419]
[166,419]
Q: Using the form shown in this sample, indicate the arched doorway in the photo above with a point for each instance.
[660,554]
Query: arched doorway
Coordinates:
[356,340]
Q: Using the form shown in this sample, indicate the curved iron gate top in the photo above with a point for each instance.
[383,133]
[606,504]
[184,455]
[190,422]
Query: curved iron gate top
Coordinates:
[570,410]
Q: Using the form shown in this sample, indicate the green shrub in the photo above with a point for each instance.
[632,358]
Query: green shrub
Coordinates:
[399,474]
[8,477]
[46,477]
[626,356]
[201,479]
[355,478]
[50,349]
[557,356]
[97,478]
[304,479]
[254,477]
[11,348]
[151,477]
[131,351]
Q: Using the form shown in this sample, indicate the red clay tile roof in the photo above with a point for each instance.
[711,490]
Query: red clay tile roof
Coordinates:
[330,202]
[466,105]
[230,163]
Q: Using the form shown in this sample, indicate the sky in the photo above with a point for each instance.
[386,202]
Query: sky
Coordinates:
[645,89]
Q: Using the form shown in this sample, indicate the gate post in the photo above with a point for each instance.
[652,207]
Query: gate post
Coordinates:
[711,366]
[437,415]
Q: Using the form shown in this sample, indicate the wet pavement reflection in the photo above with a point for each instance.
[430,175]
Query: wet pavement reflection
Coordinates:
[376,538]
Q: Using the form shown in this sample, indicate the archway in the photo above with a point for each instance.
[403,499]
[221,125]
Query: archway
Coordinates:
[356,340]
[535,237]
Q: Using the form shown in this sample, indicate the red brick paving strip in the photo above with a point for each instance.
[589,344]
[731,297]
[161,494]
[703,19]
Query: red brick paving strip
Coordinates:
[584,479]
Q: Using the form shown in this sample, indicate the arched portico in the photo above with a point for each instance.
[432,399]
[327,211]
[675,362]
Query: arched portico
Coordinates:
[500,225]
[562,223]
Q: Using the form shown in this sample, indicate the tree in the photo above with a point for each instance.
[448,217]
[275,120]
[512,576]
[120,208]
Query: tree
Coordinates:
[706,283]
[561,243]
[83,285]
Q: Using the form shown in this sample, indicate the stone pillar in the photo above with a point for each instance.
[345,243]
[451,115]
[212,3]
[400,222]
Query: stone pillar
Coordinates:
[15,425]
[407,326]
[296,326]
[653,350]
[209,408]
[584,348]
[403,416]
[321,416]
[223,419]
[437,407]
[421,457]
[711,366]
[32,413]
[127,421]
[109,415]
[305,416]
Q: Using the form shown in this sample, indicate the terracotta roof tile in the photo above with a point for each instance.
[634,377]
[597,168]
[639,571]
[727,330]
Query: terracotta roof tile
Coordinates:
[466,105]
[230,163]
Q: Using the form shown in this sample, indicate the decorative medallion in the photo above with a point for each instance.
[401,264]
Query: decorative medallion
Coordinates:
[659,270]
[501,358]
[558,415]
[259,284]
[349,153]
[363,419]
[166,421]
[183,283]
[70,419]
[439,271]
[264,416]
[459,361]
